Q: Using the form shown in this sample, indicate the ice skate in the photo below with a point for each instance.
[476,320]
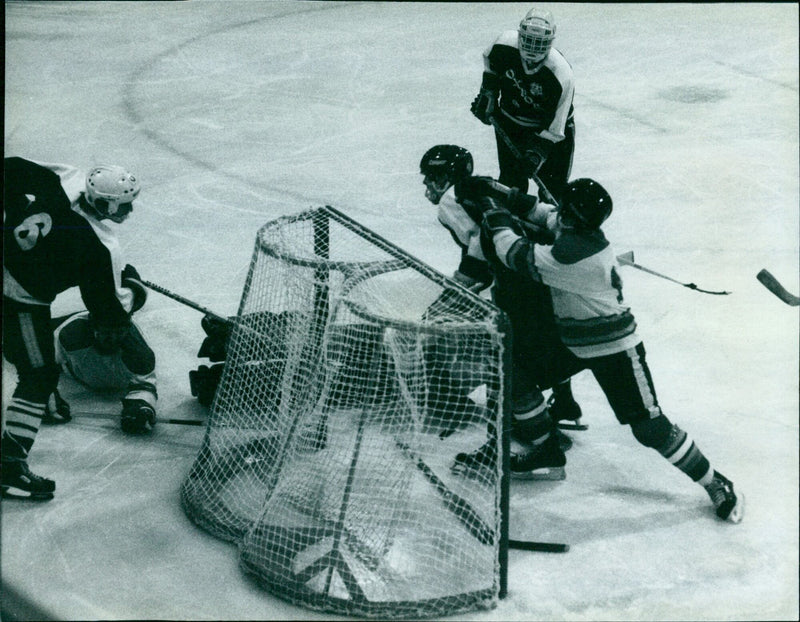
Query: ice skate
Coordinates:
[524,439]
[541,462]
[566,413]
[137,416]
[478,464]
[728,504]
[20,482]
[57,410]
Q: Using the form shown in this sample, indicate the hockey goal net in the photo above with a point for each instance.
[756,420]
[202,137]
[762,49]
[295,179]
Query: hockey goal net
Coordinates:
[354,375]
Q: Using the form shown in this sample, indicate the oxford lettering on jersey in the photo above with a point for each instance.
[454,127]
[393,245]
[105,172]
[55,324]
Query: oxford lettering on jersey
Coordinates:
[534,89]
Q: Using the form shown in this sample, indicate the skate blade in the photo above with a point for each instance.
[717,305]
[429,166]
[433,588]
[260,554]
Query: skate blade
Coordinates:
[573,425]
[9,492]
[549,474]
[478,475]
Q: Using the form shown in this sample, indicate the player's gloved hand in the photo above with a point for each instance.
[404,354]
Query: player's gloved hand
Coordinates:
[497,220]
[132,280]
[520,203]
[484,104]
[533,162]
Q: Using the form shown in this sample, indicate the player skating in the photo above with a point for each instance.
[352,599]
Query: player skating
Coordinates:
[527,89]
[538,353]
[56,236]
[598,327]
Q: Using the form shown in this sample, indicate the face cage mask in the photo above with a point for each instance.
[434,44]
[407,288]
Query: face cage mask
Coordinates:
[435,187]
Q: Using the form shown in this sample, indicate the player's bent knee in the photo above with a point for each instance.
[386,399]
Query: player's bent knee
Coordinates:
[75,335]
[652,432]
[136,355]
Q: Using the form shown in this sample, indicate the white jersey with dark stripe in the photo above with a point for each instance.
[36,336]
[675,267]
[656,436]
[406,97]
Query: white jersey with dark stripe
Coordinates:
[51,244]
[542,100]
[583,274]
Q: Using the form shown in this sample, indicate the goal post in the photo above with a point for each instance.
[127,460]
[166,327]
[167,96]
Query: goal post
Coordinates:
[354,375]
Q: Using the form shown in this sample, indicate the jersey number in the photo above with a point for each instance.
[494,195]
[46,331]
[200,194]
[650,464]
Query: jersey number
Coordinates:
[27,234]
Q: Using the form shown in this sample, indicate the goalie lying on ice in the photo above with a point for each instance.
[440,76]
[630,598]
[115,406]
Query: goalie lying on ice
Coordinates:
[128,367]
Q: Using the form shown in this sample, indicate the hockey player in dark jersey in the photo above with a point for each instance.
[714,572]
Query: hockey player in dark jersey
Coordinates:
[598,328]
[56,236]
[462,198]
[528,88]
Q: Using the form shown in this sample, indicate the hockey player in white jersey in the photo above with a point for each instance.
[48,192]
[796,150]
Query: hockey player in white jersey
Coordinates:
[597,326]
[461,199]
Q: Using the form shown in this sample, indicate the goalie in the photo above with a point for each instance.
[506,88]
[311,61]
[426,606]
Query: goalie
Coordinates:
[122,362]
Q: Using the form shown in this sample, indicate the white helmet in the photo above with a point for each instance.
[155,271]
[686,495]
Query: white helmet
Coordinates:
[536,33]
[110,190]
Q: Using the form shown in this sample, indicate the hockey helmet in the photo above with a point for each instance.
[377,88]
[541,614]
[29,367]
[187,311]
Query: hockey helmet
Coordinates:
[442,166]
[536,33]
[110,191]
[585,204]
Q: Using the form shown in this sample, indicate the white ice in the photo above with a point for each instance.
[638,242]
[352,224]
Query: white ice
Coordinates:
[234,113]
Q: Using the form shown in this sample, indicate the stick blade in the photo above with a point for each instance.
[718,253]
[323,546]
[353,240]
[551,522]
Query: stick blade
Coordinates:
[771,283]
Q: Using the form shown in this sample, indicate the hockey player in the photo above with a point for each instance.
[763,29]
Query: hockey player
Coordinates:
[462,198]
[528,87]
[598,327]
[131,368]
[56,236]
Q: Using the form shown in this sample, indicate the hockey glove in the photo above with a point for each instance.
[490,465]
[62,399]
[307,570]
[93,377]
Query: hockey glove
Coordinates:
[497,220]
[519,203]
[533,162]
[483,105]
[132,280]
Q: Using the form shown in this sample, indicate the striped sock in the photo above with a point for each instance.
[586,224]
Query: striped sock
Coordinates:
[682,452]
[23,419]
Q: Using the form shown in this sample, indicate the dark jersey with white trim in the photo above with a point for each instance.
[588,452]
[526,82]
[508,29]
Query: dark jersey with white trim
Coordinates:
[542,100]
[51,245]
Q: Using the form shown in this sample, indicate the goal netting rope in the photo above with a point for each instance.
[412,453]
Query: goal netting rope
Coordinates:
[354,375]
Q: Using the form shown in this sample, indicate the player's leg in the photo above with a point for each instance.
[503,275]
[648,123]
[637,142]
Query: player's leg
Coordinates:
[512,173]
[627,383]
[139,402]
[28,345]
[530,309]
[556,169]
[536,451]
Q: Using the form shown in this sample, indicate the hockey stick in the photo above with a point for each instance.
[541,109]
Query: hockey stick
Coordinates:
[539,547]
[467,515]
[96,415]
[772,284]
[626,259]
[185,301]
[459,506]
[520,156]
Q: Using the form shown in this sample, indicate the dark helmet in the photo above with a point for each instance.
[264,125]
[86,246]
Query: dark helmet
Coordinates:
[442,166]
[586,203]
[453,161]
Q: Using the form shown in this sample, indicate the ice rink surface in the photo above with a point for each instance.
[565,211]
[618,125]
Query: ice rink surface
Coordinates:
[234,113]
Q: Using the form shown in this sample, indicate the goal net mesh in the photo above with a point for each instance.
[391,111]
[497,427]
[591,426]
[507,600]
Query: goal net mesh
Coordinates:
[354,376]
